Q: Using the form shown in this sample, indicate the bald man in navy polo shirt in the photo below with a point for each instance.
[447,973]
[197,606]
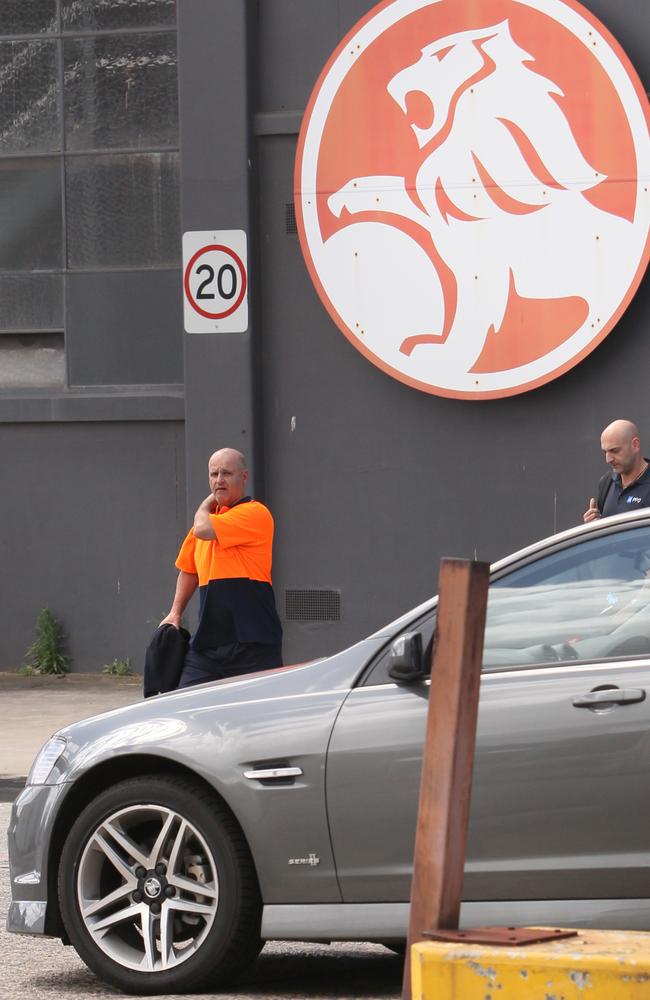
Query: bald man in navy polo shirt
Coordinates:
[627,486]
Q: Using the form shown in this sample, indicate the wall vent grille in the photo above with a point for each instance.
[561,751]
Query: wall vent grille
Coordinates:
[290,226]
[312,605]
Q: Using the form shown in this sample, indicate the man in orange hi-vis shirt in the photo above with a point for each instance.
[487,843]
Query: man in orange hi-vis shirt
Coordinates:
[227,555]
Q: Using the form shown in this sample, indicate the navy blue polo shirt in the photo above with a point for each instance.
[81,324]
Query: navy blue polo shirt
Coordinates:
[622,500]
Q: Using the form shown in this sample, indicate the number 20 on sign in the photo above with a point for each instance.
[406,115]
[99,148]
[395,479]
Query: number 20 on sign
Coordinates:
[215,281]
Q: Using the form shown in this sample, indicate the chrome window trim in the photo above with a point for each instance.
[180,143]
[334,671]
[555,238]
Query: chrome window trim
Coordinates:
[574,666]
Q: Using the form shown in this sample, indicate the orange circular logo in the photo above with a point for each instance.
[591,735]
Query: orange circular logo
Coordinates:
[472,190]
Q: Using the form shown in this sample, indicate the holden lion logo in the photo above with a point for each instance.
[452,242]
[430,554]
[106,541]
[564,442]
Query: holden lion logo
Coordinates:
[472,190]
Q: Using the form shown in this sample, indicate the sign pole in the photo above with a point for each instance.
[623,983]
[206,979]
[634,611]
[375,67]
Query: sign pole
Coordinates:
[448,758]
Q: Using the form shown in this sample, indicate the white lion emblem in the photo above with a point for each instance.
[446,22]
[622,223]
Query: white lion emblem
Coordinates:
[500,180]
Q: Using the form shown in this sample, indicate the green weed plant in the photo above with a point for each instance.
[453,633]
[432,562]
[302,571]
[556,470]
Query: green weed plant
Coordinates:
[45,655]
[118,668]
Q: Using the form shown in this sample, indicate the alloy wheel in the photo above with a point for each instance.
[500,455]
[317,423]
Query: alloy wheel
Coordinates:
[147,888]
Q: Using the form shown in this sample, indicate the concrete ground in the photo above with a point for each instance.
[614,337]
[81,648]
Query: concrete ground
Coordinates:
[32,708]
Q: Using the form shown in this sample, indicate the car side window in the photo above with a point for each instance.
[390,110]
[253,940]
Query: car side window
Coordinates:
[588,601]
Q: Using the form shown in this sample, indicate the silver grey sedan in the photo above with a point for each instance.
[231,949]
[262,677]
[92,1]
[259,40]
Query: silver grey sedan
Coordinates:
[166,841]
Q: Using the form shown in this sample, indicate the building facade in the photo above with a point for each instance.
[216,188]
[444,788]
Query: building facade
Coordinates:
[123,126]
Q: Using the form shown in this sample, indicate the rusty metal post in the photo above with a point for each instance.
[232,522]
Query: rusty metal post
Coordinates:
[448,757]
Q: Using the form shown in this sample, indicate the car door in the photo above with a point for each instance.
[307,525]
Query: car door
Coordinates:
[559,805]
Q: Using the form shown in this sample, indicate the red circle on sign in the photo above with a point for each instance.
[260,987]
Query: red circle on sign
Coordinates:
[188,291]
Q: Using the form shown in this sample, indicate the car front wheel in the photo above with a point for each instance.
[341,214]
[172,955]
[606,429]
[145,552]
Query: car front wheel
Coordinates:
[157,888]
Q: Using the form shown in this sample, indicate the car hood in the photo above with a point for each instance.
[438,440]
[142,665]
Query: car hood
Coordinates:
[154,724]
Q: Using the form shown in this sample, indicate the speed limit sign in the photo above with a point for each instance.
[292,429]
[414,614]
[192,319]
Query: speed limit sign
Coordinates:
[215,281]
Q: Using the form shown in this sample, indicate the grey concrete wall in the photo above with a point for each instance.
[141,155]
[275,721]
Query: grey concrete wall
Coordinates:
[370,481]
[92,503]
[93,513]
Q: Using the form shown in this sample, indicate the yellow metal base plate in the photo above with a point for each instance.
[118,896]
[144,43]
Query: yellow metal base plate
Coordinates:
[595,965]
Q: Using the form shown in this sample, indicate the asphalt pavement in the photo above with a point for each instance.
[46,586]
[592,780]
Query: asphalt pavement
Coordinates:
[33,708]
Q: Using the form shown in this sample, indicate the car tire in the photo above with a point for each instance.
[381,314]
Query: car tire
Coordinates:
[157,888]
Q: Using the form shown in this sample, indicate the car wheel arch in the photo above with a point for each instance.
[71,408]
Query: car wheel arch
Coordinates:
[88,786]
[190,918]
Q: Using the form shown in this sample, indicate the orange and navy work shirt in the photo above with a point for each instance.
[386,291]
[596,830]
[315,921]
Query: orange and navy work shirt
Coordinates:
[234,571]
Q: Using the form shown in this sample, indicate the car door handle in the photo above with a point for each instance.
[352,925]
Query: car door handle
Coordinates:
[609,696]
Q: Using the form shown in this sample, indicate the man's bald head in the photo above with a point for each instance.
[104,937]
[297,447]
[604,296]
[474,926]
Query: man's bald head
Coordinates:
[624,430]
[621,445]
[230,455]
[227,474]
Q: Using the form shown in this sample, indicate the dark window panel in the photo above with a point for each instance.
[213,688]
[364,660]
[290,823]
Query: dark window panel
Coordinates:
[31,302]
[28,361]
[27,17]
[30,214]
[29,88]
[135,337]
[101,15]
[123,210]
[121,90]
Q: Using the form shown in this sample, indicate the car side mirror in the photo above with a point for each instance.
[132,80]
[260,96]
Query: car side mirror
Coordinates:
[406,663]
